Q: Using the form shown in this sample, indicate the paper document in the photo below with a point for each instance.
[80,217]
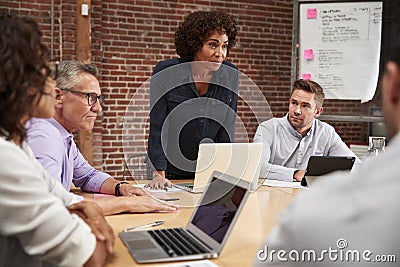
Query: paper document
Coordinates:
[167,190]
[340,45]
[276,183]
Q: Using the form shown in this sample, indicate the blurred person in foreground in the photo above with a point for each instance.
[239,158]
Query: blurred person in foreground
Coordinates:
[352,219]
[41,224]
[78,101]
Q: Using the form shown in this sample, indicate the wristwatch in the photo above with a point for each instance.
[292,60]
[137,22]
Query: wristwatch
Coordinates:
[117,193]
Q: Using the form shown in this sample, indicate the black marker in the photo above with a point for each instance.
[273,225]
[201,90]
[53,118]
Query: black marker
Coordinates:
[169,199]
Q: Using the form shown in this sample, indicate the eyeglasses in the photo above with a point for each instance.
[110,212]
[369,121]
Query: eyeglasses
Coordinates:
[91,97]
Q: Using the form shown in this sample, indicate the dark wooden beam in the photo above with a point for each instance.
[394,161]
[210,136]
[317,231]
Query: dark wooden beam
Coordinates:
[84,53]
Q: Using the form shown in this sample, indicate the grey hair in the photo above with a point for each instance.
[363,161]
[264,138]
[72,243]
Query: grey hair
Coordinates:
[68,70]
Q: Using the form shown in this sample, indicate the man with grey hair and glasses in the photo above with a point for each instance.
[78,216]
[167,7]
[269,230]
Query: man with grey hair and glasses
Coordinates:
[78,102]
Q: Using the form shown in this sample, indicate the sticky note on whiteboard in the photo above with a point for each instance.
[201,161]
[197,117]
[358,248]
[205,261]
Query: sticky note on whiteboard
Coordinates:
[306,76]
[311,13]
[308,54]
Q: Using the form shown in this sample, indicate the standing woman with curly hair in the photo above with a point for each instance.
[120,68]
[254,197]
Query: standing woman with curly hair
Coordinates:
[193,98]
[39,223]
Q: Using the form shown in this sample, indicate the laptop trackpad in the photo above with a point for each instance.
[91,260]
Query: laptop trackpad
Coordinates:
[140,244]
[145,249]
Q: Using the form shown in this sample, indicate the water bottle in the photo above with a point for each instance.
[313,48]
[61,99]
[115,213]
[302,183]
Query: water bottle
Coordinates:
[376,146]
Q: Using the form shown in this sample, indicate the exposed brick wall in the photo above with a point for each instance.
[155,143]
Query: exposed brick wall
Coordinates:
[130,37]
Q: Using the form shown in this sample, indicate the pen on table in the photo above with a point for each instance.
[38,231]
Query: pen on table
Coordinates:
[169,199]
[143,226]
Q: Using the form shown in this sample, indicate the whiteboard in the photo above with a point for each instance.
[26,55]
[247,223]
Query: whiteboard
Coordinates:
[339,47]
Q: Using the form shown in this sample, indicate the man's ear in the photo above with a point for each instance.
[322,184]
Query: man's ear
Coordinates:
[59,97]
[393,82]
[318,112]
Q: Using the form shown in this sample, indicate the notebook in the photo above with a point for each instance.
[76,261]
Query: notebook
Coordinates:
[242,160]
[206,232]
[321,165]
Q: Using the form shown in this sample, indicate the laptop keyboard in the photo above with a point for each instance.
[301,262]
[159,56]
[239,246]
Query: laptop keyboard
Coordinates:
[176,242]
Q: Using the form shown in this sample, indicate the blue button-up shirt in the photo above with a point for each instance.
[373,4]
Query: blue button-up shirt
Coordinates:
[180,118]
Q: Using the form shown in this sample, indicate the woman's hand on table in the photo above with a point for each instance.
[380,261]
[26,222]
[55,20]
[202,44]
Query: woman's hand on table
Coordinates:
[159,181]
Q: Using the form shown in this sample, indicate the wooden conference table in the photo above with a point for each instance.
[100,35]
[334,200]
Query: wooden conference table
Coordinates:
[258,217]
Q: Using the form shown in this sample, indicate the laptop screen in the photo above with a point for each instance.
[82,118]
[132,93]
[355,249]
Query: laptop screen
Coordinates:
[218,208]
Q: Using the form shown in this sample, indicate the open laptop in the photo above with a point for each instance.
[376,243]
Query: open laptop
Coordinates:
[321,165]
[206,232]
[242,160]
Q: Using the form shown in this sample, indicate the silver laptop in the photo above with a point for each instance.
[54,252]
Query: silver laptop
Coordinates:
[206,232]
[321,165]
[242,160]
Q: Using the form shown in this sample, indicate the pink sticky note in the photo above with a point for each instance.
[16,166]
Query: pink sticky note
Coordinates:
[311,13]
[306,76]
[308,54]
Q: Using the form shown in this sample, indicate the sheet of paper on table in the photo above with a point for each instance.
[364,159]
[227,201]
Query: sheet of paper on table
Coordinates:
[160,193]
[276,183]
[167,190]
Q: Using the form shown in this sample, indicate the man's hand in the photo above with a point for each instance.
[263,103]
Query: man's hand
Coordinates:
[133,204]
[142,204]
[92,214]
[129,190]
[159,181]
[299,174]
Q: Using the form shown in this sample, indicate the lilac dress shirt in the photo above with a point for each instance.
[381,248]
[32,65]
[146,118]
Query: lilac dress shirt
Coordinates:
[55,149]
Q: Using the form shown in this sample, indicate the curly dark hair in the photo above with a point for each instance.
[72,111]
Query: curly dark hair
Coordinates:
[23,73]
[198,26]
